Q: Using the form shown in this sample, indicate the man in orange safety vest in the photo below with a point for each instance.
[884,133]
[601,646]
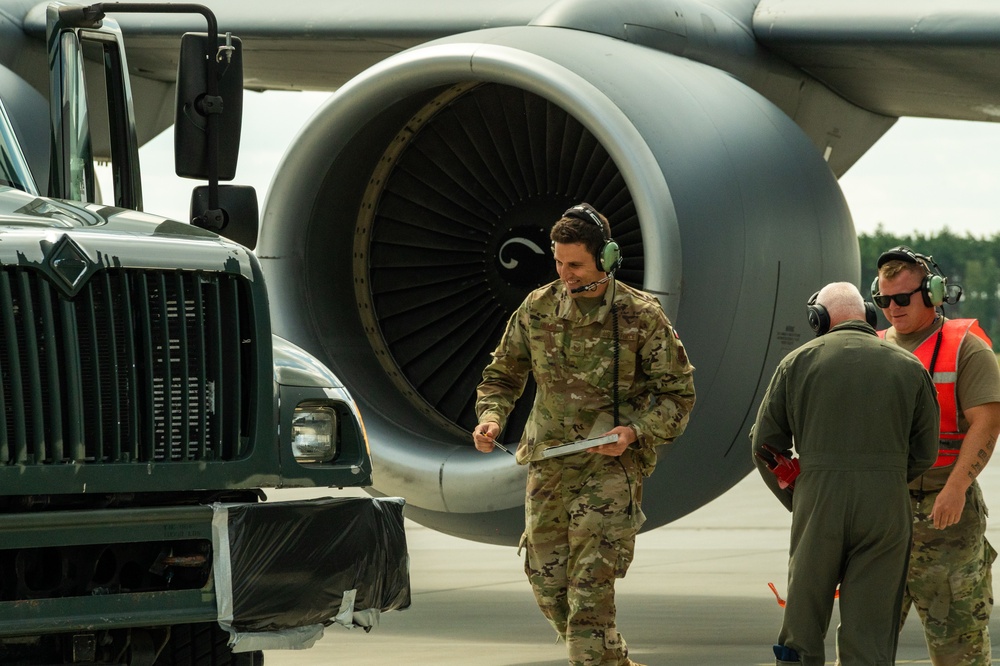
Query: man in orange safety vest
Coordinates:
[949,580]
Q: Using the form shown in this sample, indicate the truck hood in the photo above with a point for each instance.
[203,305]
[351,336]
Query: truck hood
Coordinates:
[49,232]
[19,208]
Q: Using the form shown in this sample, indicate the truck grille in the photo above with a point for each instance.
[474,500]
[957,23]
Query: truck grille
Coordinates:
[139,366]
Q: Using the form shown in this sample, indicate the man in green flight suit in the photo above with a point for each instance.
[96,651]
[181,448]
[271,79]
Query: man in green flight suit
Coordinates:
[606,361]
[862,416]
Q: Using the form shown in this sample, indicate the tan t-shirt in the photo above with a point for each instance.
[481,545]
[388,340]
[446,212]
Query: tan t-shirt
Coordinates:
[978,383]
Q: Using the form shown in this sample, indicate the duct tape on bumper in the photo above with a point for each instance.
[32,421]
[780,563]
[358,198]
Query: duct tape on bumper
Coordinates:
[285,570]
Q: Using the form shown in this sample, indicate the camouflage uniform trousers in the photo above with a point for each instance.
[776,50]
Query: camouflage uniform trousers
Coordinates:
[581,517]
[950,582]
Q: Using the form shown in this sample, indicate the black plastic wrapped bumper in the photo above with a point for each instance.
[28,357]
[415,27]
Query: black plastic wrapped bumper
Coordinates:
[285,570]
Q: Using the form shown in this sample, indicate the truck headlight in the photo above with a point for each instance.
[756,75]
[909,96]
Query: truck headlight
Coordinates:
[314,434]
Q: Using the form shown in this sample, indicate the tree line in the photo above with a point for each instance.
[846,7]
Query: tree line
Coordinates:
[971,262]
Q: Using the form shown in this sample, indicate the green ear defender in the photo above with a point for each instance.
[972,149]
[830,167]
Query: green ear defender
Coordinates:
[609,255]
[933,290]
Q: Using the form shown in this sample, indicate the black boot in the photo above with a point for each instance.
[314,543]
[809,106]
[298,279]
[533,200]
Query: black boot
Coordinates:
[785,656]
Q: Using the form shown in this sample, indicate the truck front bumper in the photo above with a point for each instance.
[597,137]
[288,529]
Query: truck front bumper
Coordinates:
[272,573]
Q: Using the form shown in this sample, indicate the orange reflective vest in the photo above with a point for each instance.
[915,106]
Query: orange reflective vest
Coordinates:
[939,354]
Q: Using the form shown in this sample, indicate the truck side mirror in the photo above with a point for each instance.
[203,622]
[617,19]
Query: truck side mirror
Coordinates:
[240,216]
[195,103]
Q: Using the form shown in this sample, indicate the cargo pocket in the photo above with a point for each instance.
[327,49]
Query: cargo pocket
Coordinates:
[971,600]
[612,639]
[626,552]
[620,532]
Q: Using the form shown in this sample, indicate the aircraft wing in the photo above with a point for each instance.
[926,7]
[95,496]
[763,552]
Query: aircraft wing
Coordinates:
[922,58]
[913,58]
[312,45]
[906,58]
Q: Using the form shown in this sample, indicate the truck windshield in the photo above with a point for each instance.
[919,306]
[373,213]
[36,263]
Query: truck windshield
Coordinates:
[13,168]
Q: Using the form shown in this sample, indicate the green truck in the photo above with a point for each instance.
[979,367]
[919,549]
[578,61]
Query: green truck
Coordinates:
[145,405]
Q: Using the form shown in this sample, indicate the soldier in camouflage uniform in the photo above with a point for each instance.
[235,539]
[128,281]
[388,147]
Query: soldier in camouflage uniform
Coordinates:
[582,511]
[950,579]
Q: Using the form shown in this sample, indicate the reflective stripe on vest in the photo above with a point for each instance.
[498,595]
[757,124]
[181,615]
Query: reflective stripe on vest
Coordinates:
[945,376]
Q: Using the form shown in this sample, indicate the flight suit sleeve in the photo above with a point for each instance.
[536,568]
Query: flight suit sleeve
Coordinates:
[505,377]
[670,386]
[772,427]
[924,433]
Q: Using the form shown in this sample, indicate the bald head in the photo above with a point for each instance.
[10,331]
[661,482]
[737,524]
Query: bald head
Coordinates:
[842,301]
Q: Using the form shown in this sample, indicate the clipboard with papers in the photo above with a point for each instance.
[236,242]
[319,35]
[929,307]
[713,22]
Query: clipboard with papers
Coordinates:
[577,446]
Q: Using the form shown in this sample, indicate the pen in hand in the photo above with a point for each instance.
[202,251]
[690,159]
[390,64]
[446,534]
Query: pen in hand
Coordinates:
[483,435]
[502,447]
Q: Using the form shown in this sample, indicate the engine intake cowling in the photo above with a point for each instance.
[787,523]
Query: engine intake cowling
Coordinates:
[411,215]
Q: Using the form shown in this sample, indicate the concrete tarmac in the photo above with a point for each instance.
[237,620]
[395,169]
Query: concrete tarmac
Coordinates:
[695,595]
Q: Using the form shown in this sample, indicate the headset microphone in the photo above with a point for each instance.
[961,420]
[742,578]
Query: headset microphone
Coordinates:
[592,286]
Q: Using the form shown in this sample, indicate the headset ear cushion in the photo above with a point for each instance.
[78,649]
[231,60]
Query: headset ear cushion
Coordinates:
[611,257]
[933,290]
[871,314]
[819,318]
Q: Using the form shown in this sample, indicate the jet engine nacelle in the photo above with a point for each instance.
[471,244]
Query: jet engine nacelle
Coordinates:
[410,217]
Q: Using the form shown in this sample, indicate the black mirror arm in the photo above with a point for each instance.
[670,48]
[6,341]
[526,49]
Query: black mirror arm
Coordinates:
[212,102]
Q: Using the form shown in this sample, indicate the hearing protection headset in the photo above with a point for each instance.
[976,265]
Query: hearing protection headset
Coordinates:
[819,317]
[609,255]
[933,288]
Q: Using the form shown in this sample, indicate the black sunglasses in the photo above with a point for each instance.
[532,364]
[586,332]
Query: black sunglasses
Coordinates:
[902,300]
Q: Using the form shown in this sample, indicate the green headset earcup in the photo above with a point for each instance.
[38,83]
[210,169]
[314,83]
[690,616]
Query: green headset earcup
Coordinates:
[934,290]
[874,288]
[610,257]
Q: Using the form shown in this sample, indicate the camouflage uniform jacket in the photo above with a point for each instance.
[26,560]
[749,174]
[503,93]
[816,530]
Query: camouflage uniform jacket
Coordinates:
[571,356]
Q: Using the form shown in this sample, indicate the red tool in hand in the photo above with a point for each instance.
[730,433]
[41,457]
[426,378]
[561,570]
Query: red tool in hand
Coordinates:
[784,468]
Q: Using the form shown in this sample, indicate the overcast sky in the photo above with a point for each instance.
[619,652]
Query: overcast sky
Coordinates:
[921,176]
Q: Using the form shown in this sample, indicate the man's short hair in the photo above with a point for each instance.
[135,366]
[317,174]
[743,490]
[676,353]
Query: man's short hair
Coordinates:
[578,230]
[842,301]
[894,267]
[902,259]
